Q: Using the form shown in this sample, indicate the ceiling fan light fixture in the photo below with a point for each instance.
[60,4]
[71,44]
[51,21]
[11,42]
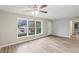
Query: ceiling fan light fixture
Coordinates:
[35,13]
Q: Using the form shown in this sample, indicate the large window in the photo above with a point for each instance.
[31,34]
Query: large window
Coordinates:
[28,27]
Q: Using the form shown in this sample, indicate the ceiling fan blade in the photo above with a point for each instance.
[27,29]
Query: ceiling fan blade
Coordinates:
[42,6]
[43,11]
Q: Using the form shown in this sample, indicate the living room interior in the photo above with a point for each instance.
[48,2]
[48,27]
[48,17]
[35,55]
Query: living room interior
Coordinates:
[39,28]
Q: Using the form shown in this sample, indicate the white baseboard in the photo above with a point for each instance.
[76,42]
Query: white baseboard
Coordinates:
[60,36]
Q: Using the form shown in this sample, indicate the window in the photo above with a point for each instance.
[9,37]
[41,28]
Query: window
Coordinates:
[38,27]
[22,28]
[31,27]
[28,27]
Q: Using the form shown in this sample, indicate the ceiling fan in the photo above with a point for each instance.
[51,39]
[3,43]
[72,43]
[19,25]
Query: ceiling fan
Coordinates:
[36,8]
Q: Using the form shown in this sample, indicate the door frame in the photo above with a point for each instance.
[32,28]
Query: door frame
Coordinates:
[72,26]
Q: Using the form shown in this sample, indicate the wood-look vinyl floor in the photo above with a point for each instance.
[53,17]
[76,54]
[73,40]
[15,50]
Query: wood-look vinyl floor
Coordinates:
[50,44]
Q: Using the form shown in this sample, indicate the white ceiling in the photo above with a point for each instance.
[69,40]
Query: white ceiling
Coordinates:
[54,11]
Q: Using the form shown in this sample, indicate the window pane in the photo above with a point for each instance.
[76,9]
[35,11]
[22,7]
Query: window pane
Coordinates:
[22,30]
[31,27]
[38,24]
[31,24]
[22,23]
[38,30]
[31,31]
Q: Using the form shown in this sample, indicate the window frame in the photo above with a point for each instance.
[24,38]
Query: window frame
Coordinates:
[28,27]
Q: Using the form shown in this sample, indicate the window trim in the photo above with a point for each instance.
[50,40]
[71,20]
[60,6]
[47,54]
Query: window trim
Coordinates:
[28,27]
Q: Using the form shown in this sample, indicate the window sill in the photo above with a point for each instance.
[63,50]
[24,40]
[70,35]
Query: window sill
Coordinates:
[30,36]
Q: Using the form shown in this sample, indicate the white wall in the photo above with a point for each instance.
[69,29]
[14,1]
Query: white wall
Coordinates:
[50,28]
[8,28]
[61,27]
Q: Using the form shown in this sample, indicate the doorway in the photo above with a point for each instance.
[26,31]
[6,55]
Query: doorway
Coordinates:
[74,30]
